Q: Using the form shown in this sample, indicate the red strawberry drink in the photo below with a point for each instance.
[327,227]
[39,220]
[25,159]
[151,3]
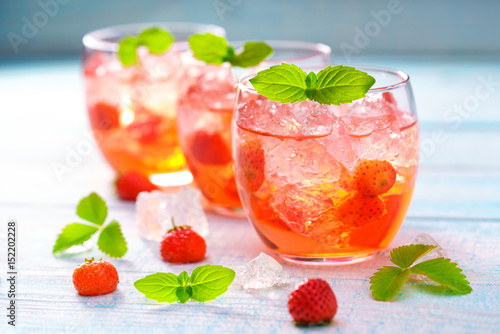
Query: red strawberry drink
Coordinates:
[324,182]
[132,109]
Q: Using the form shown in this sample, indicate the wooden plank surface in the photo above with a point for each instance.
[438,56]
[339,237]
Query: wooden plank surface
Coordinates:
[456,200]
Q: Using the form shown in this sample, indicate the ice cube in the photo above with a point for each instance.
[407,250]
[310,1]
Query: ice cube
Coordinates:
[299,206]
[297,120]
[156,209]
[304,162]
[260,273]
[425,239]
[373,113]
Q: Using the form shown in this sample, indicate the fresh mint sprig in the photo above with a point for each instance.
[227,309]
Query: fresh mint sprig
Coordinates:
[155,39]
[206,282]
[214,49]
[333,85]
[387,281]
[93,209]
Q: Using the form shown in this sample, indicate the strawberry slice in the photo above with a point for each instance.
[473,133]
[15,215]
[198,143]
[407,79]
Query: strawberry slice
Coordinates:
[209,148]
[104,117]
[130,184]
[251,161]
[374,177]
[357,210]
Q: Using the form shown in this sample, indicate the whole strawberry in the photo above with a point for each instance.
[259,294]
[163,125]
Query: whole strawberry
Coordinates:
[182,245]
[130,184]
[374,177]
[251,160]
[312,303]
[95,278]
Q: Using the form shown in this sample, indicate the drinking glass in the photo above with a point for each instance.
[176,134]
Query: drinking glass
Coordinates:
[132,110]
[301,169]
[206,105]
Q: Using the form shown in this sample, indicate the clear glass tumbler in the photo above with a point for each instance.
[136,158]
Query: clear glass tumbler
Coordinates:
[132,110]
[303,170]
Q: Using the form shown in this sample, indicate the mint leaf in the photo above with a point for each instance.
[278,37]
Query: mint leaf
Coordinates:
[206,283]
[111,240]
[156,39]
[93,209]
[332,85]
[214,49]
[127,50]
[444,272]
[283,83]
[311,83]
[405,256]
[161,287]
[73,234]
[209,48]
[387,281]
[342,84]
[210,281]
[253,53]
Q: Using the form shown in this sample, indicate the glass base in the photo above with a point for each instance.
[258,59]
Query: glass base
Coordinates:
[330,260]
[228,212]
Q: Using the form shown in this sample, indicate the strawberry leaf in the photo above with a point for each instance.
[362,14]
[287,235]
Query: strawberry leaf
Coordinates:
[111,240]
[405,256]
[387,281]
[72,235]
[444,272]
[93,209]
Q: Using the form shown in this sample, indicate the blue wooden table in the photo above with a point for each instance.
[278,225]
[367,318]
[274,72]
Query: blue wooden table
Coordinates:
[456,200]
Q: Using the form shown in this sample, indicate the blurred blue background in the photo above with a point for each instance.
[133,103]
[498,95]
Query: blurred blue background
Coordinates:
[398,27]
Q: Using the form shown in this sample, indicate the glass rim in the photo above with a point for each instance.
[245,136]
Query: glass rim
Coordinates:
[317,49]
[95,39]
[243,84]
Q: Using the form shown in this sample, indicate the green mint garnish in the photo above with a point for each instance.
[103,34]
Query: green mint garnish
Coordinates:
[387,281]
[207,282]
[332,85]
[214,49]
[155,39]
[93,209]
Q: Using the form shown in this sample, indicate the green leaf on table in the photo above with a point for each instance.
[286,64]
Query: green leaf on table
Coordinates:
[210,281]
[206,283]
[111,240]
[209,48]
[72,235]
[161,287]
[93,209]
[253,53]
[283,83]
[213,49]
[156,39]
[341,84]
[444,272]
[405,256]
[127,50]
[387,281]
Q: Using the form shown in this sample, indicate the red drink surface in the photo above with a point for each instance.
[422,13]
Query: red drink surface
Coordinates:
[298,177]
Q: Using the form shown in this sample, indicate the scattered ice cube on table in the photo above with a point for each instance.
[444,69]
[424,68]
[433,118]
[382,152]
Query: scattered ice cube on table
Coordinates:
[155,211]
[260,273]
[425,239]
